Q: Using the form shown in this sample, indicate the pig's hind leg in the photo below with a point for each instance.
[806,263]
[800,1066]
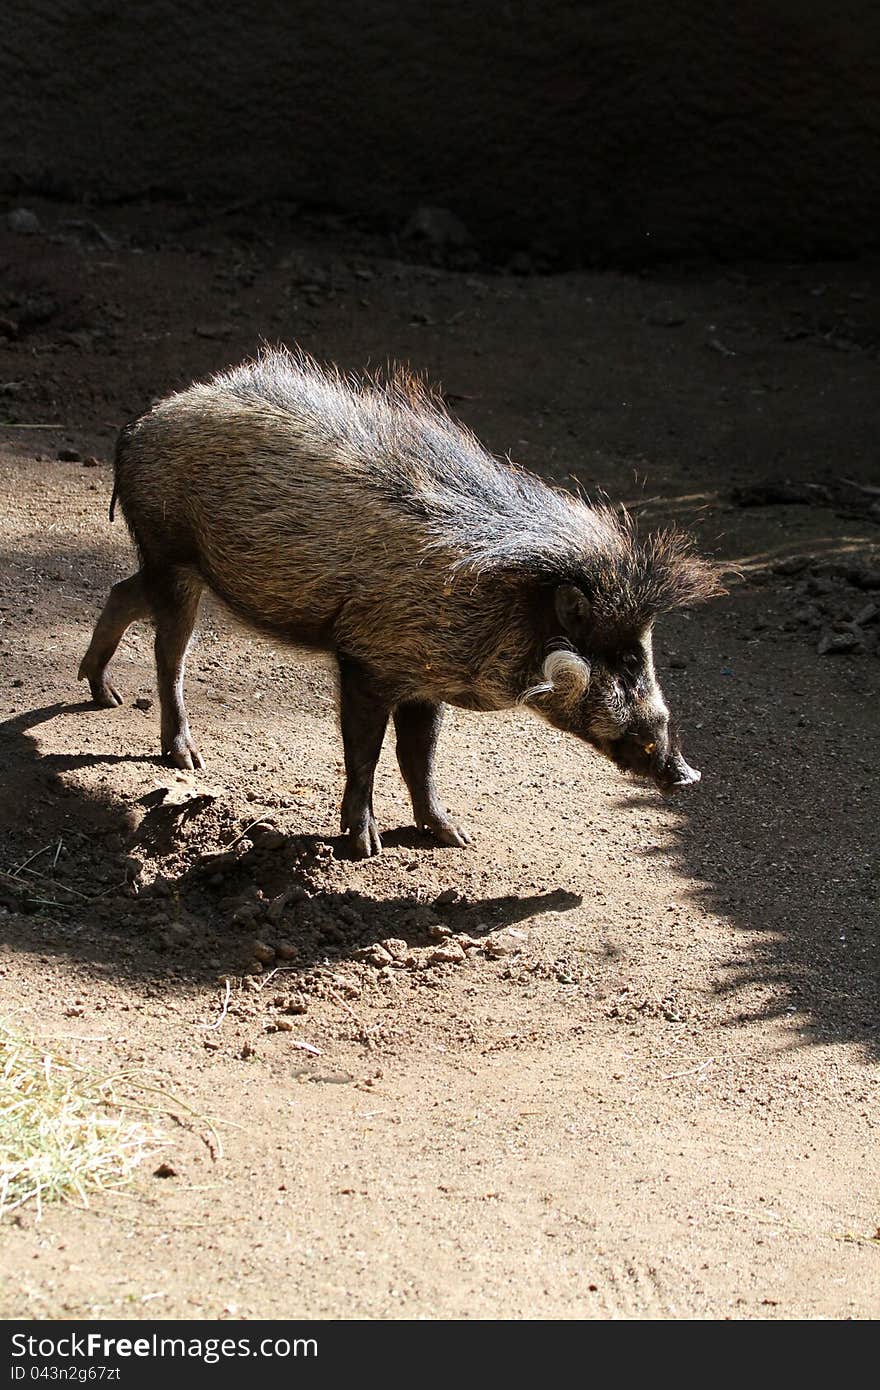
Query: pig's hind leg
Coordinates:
[363,715]
[174,598]
[127,603]
[417,727]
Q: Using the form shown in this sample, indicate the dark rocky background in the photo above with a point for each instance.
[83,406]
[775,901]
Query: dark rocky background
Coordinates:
[600,133]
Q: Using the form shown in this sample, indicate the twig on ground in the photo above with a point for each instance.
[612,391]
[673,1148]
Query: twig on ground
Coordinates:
[114,888]
[244,832]
[691,1071]
[862,487]
[46,878]
[31,857]
[263,980]
[224,1011]
[853,1238]
[339,999]
[169,1095]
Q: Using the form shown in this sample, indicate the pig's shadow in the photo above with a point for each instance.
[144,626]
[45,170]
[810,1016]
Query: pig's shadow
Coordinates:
[201,920]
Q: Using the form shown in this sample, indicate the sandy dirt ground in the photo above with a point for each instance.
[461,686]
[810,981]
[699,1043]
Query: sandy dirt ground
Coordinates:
[618,1059]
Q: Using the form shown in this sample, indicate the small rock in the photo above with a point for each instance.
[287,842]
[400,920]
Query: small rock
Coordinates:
[497,946]
[69,456]
[376,955]
[285,951]
[349,988]
[772,494]
[260,951]
[450,954]
[246,915]
[165,1170]
[864,577]
[833,643]
[91,462]
[212,330]
[438,931]
[280,1025]
[296,1005]
[276,908]
[18,683]
[866,615]
[438,226]
[396,948]
[23,222]
[820,586]
[143,702]
[449,895]
[792,564]
[677,662]
[266,836]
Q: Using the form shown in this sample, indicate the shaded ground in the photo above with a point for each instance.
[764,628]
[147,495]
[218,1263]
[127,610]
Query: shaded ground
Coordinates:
[619,1059]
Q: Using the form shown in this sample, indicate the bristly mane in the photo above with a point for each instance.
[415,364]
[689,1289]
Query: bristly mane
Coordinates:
[633,581]
[399,440]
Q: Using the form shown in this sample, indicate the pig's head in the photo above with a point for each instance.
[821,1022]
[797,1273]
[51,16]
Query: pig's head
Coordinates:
[599,681]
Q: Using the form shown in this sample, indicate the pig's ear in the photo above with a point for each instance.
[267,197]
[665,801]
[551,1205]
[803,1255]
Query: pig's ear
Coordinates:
[573,611]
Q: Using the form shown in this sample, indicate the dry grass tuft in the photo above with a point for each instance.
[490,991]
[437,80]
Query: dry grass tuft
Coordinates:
[65,1130]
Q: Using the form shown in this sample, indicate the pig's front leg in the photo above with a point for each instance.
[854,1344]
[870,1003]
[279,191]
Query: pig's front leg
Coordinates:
[363,715]
[417,727]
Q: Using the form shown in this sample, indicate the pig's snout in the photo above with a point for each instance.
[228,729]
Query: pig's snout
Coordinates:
[676,773]
[664,765]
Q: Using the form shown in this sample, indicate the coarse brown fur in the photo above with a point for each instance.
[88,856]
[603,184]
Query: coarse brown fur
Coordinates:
[358,517]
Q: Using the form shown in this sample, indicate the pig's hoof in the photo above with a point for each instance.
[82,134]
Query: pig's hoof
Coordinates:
[103,693]
[184,754]
[365,841]
[446,832]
